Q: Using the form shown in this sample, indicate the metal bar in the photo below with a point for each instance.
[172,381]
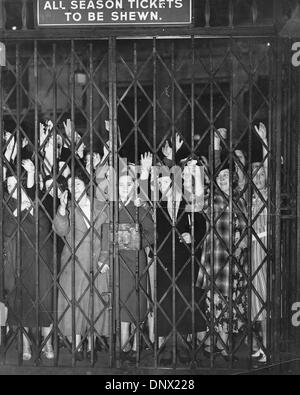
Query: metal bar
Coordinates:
[113,298]
[2,266]
[73,240]
[92,210]
[174,219]
[62,34]
[155,95]
[271,230]
[211,219]
[249,224]
[231,214]
[36,208]
[254,12]
[277,11]
[55,237]
[24,15]
[277,236]
[298,189]
[2,15]
[136,143]
[115,195]
[19,213]
[287,244]
[207,13]
[231,13]
[193,231]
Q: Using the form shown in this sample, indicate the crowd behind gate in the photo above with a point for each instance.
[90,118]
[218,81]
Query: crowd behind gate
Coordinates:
[185,261]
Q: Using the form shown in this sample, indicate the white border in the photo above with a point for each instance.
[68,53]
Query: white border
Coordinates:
[111,24]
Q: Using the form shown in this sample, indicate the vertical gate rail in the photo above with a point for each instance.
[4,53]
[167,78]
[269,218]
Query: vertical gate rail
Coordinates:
[276,271]
[2,329]
[55,238]
[36,202]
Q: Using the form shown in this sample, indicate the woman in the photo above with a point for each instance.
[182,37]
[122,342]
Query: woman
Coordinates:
[240,162]
[174,262]
[194,190]
[259,247]
[240,198]
[50,201]
[221,259]
[21,274]
[136,232]
[87,231]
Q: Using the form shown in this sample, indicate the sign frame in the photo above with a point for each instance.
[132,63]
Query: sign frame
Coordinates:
[116,24]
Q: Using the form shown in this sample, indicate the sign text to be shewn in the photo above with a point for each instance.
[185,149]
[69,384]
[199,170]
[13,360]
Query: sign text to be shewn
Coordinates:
[113,12]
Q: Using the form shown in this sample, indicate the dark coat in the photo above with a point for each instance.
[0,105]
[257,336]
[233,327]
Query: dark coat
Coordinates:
[129,261]
[49,207]
[21,275]
[181,269]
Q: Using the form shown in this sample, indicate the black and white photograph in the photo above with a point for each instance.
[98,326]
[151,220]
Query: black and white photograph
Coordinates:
[150,190]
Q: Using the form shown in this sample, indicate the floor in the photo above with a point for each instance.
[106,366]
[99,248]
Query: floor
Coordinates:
[289,364]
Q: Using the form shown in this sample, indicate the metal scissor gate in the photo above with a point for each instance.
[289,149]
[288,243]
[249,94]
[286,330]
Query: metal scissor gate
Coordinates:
[205,288]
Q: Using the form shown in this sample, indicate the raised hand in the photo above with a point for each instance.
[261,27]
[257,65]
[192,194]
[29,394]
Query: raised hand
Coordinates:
[49,155]
[28,165]
[25,142]
[64,199]
[63,203]
[146,162]
[25,205]
[261,131]
[97,160]
[88,164]
[187,238]
[223,133]
[80,150]
[68,128]
[178,142]
[11,150]
[167,150]
[45,133]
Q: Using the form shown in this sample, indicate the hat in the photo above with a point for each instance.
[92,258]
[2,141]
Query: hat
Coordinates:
[66,154]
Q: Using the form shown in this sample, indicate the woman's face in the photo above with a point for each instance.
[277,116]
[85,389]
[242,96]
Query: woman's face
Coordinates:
[79,188]
[12,187]
[126,187]
[223,181]
[165,185]
[259,179]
